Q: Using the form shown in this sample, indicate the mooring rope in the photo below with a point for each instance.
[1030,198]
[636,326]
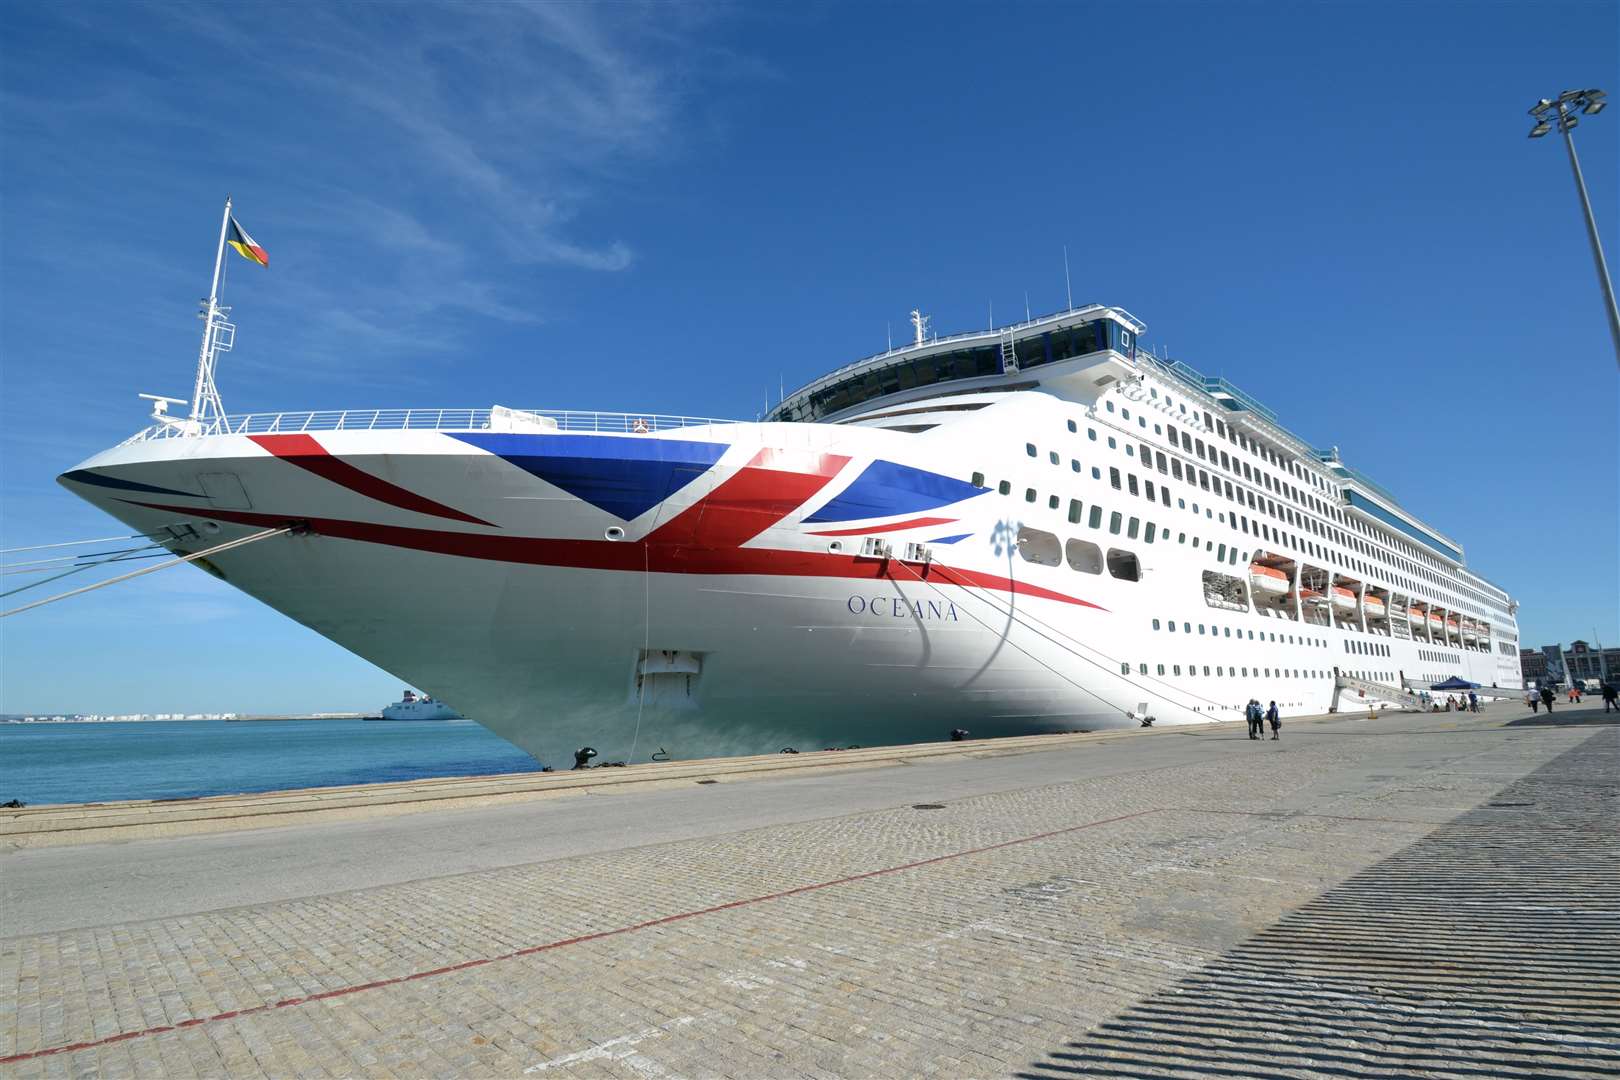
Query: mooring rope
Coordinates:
[228,545]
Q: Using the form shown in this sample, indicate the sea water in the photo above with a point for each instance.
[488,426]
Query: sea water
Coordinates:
[104,762]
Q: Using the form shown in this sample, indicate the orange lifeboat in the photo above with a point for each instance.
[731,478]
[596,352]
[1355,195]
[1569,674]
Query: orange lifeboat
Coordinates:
[1343,599]
[1374,606]
[1265,579]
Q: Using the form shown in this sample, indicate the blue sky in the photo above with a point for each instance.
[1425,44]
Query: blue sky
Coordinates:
[673,208]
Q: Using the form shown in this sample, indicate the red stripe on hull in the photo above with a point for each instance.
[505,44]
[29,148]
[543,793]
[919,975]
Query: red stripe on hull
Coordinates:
[665,558]
[309,455]
[868,530]
[758,496]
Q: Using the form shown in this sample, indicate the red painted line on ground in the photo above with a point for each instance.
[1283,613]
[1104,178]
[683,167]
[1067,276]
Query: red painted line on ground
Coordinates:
[581,939]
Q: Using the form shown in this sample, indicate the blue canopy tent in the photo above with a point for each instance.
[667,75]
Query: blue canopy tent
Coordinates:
[1454,683]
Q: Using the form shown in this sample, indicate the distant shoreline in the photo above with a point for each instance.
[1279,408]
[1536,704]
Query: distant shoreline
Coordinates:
[231,718]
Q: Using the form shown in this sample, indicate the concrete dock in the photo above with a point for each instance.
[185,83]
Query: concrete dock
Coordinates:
[1413,895]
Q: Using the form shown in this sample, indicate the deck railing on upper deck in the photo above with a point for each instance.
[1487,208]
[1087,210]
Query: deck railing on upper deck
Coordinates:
[417,420]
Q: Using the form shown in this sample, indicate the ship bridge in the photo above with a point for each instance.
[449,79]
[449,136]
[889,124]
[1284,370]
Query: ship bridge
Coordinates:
[1075,354]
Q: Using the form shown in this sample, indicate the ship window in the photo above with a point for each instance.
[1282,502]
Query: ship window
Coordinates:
[1164,495]
[1073,426]
[1091,433]
[1115,520]
[1029,448]
[1096,473]
[1175,468]
[1130,482]
[1123,565]
[1221,554]
[1161,669]
[1132,528]
[1113,444]
[1110,405]
[1130,450]
[1113,478]
[1147,534]
[1164,466]
[1074,464]
[1172,625]
[1155,624]
[978,479]
[1029,495]
[1141,669]
[1074,511]
[1124,668]
[1095,520]
[1086,557]
[1176,668]
[1051,502]
[1005,487]
[1147,487]
[1052,456]
[1040,548]
[1181,538]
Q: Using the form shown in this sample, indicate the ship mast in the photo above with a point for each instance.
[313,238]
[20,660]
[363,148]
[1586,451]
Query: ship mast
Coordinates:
[218,336]
[919,321]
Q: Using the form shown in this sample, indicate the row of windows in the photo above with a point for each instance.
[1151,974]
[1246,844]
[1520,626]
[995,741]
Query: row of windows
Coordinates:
[1045,549]
[1220,458]
[1367,648]
[1226,631]
[1228,671]
[1439,657]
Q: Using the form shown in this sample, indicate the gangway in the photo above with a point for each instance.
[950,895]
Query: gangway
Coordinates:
[1372,691]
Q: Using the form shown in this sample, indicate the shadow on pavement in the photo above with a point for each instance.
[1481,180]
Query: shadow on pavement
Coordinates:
[1486,949]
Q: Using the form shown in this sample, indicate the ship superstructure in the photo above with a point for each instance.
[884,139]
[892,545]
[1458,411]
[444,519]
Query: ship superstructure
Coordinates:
[1037,527]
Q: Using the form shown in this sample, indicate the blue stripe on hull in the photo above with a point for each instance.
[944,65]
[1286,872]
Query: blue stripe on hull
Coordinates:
[626,476]
[886,489]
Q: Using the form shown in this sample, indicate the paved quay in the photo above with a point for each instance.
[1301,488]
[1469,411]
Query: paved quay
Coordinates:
[1434,895]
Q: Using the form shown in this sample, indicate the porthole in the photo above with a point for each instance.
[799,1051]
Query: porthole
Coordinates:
[614,533]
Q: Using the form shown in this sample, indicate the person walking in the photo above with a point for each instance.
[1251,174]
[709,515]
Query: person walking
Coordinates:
[1252,712]
[1611,698]
[1531,700]
[1547,697]
[1473,702]
[1276,721]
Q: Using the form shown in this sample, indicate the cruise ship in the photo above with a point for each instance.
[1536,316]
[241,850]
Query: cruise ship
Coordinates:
[1038,527]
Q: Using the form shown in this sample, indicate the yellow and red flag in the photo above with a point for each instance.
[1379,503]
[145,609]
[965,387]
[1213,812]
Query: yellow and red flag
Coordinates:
[244,245]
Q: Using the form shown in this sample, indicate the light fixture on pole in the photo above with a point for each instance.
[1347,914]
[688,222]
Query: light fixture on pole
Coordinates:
[1561,111]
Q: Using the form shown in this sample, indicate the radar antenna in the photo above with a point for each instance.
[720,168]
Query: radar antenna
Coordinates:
[919,322]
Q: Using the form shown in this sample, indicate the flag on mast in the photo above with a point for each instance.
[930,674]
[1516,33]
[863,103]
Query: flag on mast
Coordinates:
[244,245]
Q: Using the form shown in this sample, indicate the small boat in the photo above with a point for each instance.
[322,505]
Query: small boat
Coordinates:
[1312,598]
[1266,579]
[1435,621]
[414,706]
[1343,599]
[1374,606]
[1414,616]
[1470,635]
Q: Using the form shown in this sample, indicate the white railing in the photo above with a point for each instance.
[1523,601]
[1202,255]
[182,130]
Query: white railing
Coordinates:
[420,420]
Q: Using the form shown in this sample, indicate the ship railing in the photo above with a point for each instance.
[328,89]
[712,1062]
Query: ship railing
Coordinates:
[288,423]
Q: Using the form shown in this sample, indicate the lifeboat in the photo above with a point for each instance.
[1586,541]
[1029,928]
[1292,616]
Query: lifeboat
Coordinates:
[1470,635]
[1343,599]
[1311,598]
[1265,579]
[1414,616]
[1435,621]
[1453,626]
[1374,606]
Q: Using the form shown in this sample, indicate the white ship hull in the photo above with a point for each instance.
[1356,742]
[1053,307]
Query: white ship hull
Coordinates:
[702,590]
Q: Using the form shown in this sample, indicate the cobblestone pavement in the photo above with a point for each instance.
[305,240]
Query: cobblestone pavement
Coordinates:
[1104,925]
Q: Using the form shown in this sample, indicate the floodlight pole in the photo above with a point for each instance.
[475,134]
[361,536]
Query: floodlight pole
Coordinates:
[1591,230]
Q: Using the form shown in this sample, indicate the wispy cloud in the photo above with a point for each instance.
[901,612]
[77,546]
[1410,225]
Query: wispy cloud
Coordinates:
[414,170]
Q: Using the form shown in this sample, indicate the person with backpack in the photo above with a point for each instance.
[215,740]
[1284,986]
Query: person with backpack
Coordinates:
[1547,697]
[1276,722]
[1251,712]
